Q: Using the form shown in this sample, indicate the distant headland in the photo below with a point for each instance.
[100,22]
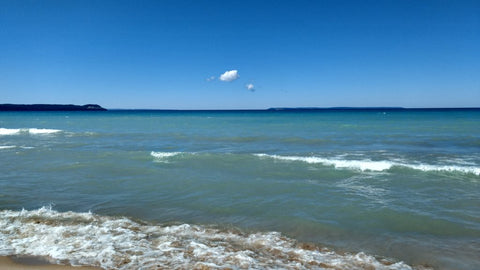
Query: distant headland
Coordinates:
[50,107]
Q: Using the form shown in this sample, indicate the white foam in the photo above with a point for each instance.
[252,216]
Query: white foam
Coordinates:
[375,166]
[33,131]
[163,157]
[42,131]
[445,168]
[363,165]
[120,243]
[9,131]
[7,146]
[164,154]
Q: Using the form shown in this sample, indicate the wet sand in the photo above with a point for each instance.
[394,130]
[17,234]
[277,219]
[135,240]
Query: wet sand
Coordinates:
[30,263]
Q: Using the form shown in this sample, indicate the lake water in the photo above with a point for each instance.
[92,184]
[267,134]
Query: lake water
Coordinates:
[293,190]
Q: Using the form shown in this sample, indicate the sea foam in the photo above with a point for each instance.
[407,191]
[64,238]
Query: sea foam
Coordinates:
[120,243]
[164,154]
[374,166]
[9,131]
[34,131]
[163,157]
[42,131]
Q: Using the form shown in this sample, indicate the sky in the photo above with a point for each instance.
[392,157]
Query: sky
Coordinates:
[241,54]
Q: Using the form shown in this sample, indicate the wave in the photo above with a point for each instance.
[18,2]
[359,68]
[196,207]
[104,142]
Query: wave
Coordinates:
[162,156]
[42,131]
[34,131]
[375,166]
[348,164]
[7,146]
[121,243]
[445,168]
[363,165]
[9,131]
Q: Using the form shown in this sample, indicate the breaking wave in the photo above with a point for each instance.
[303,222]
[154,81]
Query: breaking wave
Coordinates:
[163,156]
[9,131]
[33,131]
[349,164]
[121,243]
[376,166]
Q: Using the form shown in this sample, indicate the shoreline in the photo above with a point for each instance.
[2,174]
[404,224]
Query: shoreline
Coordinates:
[37,263]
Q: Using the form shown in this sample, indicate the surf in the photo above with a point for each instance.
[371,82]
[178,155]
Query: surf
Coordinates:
[121,243]
[374,166]
[32,131]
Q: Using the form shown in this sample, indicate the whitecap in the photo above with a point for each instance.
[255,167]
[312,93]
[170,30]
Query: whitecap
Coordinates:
[33,131]
[164,154]
[7,146]
[374,166]
[42,131]
[444,168]
[363,165]
[163,157]
[9,131]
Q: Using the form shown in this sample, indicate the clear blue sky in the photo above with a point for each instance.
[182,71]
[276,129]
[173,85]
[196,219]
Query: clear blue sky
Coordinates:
[163,54]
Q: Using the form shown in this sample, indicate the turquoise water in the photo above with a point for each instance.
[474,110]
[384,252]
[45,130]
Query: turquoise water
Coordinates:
[381,189]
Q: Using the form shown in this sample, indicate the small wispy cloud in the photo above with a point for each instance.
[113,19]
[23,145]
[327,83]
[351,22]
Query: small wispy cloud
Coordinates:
[250,87]
[211,78]
[229,76]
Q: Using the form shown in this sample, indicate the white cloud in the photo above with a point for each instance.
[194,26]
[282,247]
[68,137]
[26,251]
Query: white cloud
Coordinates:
[211,78]
[229,76]
[250,87]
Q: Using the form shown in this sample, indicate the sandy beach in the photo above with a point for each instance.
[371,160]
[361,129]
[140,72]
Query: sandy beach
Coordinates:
[24,263]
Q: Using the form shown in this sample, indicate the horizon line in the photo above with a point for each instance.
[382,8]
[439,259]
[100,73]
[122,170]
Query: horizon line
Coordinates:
[278,109]
[38,107]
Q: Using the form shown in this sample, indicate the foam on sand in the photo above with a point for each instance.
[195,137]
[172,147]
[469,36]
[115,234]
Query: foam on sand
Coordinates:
[25,263]
[120,243]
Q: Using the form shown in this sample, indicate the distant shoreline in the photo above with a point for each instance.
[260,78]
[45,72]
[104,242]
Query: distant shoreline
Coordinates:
[95,107]
[50,107]
[369,109]
[306,109]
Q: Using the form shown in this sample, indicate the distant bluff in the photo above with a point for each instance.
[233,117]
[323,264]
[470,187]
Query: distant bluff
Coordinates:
[50,107]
